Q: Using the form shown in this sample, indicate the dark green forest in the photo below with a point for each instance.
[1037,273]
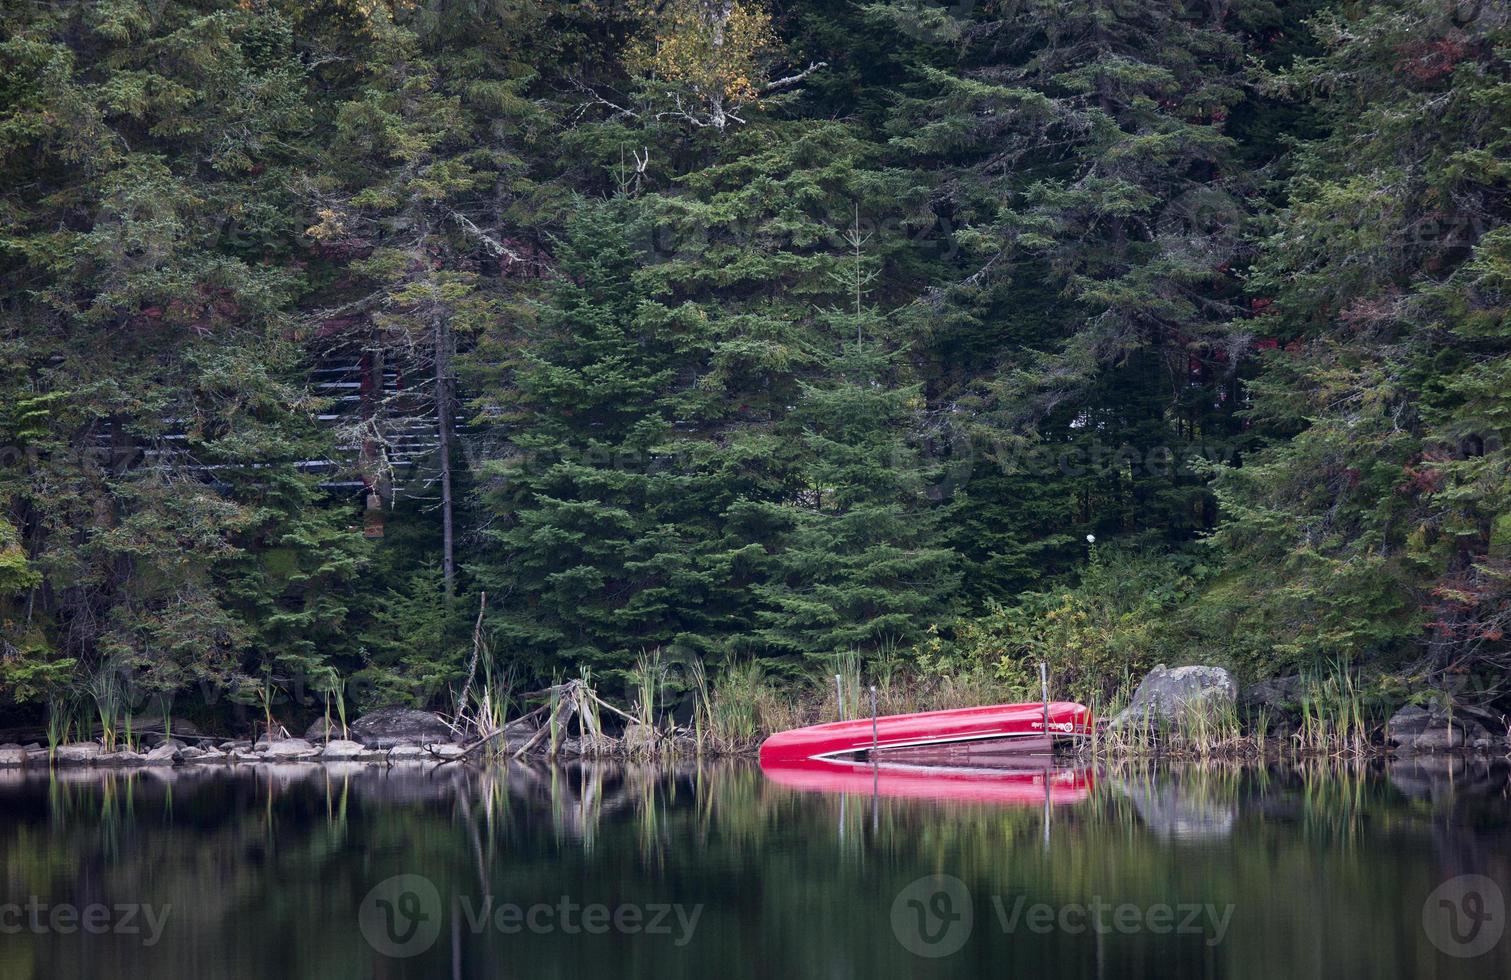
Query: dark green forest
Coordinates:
[345,341]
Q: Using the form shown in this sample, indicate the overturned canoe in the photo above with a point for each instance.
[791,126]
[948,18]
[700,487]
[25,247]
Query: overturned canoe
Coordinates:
[1006,787]
[959,735]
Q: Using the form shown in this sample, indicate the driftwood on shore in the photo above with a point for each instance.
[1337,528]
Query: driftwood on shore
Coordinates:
[549,721]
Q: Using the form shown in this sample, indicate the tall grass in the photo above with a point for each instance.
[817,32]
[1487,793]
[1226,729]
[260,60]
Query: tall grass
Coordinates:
[847,690]
[703,710]
[733,710]
[647,678]
[1332,722]
[1205,729]
[1332,712]
[333,693]
[62,721]
[109,696]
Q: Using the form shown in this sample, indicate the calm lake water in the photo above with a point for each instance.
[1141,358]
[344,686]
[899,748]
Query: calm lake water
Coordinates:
[715,871]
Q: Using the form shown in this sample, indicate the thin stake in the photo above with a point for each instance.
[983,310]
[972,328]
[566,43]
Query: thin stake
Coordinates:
[1046,811]
[839,695]
[1044,688]
[873,722]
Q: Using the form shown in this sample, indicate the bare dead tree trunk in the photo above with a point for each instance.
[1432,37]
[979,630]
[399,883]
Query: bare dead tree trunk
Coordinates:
[443,430]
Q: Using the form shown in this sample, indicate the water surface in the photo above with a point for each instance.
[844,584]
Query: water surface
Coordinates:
[714,871]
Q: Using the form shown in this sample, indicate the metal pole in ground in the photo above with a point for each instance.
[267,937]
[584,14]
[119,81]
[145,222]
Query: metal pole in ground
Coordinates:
[1046,811]
[873,721]
[1044,689]
[1044,693]
[875,772]
[839,695]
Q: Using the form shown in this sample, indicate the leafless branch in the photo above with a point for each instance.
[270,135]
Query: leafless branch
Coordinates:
[791,80]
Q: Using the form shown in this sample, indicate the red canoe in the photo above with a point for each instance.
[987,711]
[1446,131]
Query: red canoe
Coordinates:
[1004,787]
[963,735]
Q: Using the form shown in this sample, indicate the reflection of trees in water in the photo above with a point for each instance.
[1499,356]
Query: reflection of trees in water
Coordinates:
[1459,792]
[267,865]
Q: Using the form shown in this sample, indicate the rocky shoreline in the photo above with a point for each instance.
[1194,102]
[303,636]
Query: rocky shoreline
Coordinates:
[1168,699]
[386,737]
[172,752]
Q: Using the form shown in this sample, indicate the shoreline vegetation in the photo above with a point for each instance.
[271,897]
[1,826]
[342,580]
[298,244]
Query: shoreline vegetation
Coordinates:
[373,353]
[1326,717]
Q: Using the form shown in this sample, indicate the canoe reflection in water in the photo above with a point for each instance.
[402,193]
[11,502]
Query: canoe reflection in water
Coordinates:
[1002,754]
[1022,785]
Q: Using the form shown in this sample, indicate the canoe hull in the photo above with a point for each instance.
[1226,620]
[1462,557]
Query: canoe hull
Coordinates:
[1005,787]
[920,737]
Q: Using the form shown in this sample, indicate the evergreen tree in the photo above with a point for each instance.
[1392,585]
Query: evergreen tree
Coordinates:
[155,404]
[413,203]
[1378,500]
[1098,212]
[602,546]
[858,563]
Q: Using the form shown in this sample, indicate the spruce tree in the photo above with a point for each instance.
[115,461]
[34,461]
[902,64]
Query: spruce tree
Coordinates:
[1097,210]
[1378,498]
[858,564]
[600,547]
[155,402]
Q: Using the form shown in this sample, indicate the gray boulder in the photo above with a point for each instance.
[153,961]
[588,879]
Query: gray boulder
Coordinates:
[165,754]
[77,753]
[12,755]
[1438,728]
[338,749]
[288,748]
[388,727]
[1168,696]
[319,731]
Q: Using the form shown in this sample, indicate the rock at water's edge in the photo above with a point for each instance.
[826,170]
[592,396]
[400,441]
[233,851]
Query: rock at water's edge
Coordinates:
[1167,696]
[389,727]
[1437,728]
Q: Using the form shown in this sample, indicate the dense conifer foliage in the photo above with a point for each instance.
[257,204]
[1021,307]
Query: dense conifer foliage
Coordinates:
[937,335]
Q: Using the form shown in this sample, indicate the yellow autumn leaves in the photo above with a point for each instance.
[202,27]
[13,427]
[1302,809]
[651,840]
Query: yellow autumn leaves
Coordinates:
[716,48]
